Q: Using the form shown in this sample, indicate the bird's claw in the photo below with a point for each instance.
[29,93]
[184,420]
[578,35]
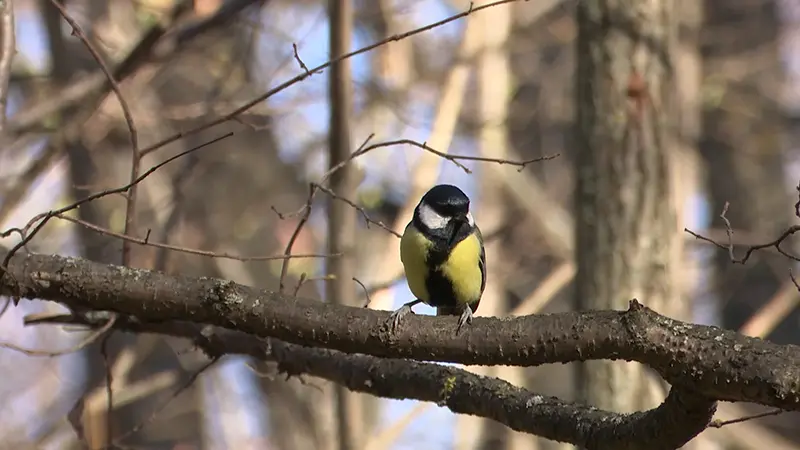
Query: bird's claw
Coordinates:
[466,317]
[397,316]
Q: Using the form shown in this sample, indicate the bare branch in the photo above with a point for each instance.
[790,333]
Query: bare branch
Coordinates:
[672,424]
[352,204]
[717,363]
[16,194]
[794,280]
[96,85]
[722,423]
[44,218]
[191,251]
[299,61]
[94,336]
[126,112]
[424,146]
[364,288]
[776,243]
[295,234]
[306,74]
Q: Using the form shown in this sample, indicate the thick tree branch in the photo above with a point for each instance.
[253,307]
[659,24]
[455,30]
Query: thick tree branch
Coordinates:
[718,364]
[681,417]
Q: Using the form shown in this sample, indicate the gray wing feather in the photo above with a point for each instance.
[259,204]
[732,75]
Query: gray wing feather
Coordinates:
[482,261]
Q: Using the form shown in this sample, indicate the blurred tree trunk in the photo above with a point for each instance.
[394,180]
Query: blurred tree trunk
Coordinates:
[625,211]
[494,88]
[207,216]
[686,174]
[686,158]
[539,123]
[342,225]
[69,58]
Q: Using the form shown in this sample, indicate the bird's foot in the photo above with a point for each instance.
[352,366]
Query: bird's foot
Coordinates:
[397,316]
[466,317]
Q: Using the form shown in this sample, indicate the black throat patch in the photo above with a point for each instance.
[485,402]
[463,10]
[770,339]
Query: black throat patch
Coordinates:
[443,239]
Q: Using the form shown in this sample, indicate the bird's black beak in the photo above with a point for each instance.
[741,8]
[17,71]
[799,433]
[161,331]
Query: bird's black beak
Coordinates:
[459,222]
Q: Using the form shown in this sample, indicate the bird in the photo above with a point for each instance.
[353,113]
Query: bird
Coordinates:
[443,257]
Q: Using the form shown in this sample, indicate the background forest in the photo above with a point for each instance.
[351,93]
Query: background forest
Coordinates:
[503,95]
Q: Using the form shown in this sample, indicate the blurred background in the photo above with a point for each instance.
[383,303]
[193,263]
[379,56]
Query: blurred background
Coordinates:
[499,84]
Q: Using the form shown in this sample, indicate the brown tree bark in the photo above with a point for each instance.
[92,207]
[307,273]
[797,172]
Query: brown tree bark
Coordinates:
[625,214]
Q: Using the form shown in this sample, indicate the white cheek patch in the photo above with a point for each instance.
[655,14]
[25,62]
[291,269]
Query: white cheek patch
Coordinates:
[431,218]
[470,220]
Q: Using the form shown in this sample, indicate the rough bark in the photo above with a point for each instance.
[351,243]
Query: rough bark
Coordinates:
[713,362]
[625,214]
[702,363]
[667,427]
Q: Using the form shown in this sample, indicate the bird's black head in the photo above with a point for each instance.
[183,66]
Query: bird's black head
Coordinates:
[447,200]
[443,213]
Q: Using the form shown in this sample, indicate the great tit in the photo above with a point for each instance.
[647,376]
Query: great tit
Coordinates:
[443,256]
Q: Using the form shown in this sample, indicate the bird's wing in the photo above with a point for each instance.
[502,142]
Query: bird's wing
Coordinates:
[482,260]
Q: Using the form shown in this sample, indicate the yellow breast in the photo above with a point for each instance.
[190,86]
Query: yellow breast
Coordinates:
[413,248]
[463,270]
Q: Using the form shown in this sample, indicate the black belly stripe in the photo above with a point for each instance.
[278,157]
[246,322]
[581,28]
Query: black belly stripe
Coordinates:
[440,290]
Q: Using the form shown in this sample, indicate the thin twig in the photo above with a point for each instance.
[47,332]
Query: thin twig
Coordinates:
[794,280]
[304,278]
[49,215]
[95,85]
[178,206]
[14,196]
[300,283]
[289,245]
[8,48]
[81,345]
[306,213]
[260,99]
[424,146]
[357,208]
[366,292]
[126,112]
[185,385]
[776,243]
[300,61]
[188,250]
[109,389]
[363,149]
[722,423]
